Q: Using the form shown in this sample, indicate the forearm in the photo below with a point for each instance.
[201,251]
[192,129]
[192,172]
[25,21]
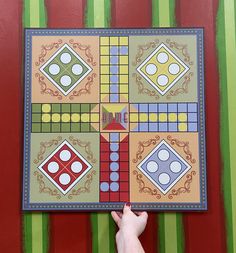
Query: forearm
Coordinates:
[128,243]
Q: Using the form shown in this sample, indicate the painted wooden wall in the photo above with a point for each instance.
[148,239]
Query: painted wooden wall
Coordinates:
[213,231]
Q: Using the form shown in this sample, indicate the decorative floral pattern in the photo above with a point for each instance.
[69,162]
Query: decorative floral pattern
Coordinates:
[185,188]
[142,145]
[86,49]
[184,145]
[43,188]
[45,49]
[143,188]
[85,188]
[44,146]
[85,90]
[86,146]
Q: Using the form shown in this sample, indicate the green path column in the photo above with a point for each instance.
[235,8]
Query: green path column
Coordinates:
[226,44]
[35,225]
[103,227]
[170,230]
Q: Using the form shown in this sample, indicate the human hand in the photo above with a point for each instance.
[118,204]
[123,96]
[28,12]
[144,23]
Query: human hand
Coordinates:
[130,223]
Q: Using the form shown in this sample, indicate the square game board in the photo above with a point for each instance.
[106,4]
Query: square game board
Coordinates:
[114,115]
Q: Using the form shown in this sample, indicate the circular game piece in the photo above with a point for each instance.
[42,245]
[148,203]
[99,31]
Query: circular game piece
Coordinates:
[53,167]
[104,186]
[114,186]
[64,179]
[65,58]
[163,155]
[164,178]
[174,68]
[76,167]
[152,166]
[65,155]
[114,146]
[114,156]
[162,80]
[114,176]
[162,57]
[54,69]
[77,69]
[114,166]
[65,80]
[175,167]
[151,69]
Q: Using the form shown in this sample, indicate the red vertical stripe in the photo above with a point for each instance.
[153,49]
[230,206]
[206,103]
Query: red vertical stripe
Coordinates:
[11,109]
[205,232]
[138,14]
[70,232]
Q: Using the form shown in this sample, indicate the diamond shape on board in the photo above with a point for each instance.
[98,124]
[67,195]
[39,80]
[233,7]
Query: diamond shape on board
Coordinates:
[65,69]
[164,167]
[64,167]
[162,69]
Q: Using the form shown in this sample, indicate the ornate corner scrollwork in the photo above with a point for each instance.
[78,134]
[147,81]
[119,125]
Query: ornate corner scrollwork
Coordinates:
[183,48]
[44,146]
[142,49]
[45,89]
[45,49]
[184,145]
[85,90]
[43,188]
[85,188]
[185,188]
[142,145]
[86,49]
[86,145]
[142,89]
[184,87]
[143,188]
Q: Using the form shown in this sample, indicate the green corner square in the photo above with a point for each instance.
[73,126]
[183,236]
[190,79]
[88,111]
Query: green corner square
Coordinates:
[75,127]
[65,108]
[56,128]
[65,127]
[46,128]
[36,117]
[85,127]
[85,108]
[56,108]
[75,107]
[36,128]
[36,107]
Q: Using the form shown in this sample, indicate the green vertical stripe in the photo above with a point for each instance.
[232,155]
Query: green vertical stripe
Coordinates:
[227,55]
[103,227]
[170,232]
[35,224]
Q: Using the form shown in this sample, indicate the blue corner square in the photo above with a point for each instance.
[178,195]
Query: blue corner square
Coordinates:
[192,107]
[192,127]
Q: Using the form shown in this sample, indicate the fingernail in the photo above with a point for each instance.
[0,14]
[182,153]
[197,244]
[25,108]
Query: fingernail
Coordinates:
[128,204]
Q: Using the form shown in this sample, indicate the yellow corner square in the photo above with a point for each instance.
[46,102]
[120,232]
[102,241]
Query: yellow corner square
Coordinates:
[162,117]
[105,70]
[133,117]
[104,78]
[104,40]
[104,98]
[104,59]
[124,88]
[105,88]
[104,50]
[124,59]
[124,69]
[114,41]
[182,127]
[124,41]
[124,98]
[124,79]
[94,117]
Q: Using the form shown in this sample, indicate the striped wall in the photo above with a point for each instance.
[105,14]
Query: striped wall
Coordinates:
[211,231]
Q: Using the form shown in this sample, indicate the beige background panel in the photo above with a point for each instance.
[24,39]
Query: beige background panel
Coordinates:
[38,42]
[137,196]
